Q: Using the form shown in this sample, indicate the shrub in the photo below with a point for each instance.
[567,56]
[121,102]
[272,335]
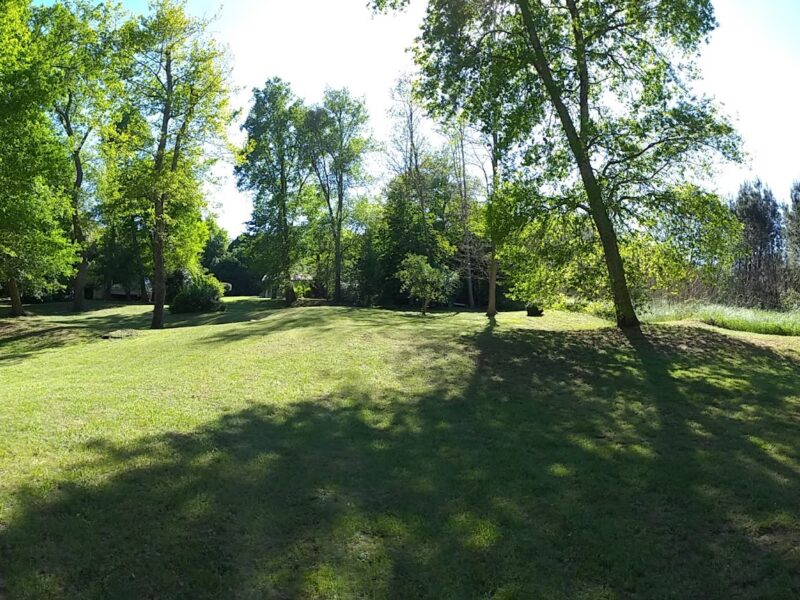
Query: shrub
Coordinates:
[202,294]
[424,282]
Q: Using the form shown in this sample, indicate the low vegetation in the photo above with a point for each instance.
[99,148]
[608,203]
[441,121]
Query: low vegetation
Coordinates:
[730,317]
[330,452]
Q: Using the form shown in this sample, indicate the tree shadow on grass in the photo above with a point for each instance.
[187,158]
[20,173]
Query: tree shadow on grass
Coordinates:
[54,326]
[570,465]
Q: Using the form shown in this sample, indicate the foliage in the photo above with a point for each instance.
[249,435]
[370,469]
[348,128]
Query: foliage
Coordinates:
[35,251]
[424,282]
[759,275]
[730,317]
[335,142]
[599,95]
[793,226]
[203,293]
[176,83]
[273,167]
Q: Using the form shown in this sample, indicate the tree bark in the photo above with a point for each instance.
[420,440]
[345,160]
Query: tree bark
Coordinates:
[79,284]
[623,305]
[337,289]
[16,300]
[491,310]
[159,233]
[159,275]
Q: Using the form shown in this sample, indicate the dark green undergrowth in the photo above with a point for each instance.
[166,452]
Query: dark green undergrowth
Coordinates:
[338,453]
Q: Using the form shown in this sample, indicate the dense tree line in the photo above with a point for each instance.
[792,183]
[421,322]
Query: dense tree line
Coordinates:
[546,154]
[106,121]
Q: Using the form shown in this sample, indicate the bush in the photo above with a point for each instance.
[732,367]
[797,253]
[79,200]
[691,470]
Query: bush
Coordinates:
[202,294]
[426,283]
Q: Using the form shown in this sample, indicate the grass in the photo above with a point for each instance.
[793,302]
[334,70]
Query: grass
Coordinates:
[328,452]
[731,317]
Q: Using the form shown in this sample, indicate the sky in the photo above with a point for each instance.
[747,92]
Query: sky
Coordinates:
[752,66]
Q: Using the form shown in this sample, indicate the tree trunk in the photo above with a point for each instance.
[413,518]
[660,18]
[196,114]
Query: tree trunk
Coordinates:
[491,311]
[337,290]
[159,276]
[623,305]
[79,285]
[424,307]
[470,286]
[16,300]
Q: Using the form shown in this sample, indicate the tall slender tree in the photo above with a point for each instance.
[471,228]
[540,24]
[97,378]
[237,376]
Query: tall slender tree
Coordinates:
[612,75]
[274,169]
[335,143]
[83,34]
[177,80]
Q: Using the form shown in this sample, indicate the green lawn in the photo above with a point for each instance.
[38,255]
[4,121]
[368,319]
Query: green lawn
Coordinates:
[351,453]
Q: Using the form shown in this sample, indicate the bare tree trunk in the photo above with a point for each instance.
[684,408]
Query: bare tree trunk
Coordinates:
[16,300]
[79,285]
[491,310]
[159,275]
[470,285]
[337,289]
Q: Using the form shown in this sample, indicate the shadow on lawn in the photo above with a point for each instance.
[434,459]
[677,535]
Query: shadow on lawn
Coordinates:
[571,465]
[22,338]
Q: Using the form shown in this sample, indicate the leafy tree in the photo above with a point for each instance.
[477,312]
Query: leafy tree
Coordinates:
[216,245]
[425,282]
[273,167]
[611,75]
[81,35]
[34,251]
[335,143]
[177,84]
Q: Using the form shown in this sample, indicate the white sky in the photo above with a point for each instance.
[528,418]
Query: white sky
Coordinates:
[752,66]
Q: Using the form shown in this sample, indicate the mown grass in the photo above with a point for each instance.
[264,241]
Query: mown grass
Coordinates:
[729,317]
[343,453]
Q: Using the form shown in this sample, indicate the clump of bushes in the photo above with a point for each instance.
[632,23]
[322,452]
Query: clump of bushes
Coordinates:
[202,294]
[426,283]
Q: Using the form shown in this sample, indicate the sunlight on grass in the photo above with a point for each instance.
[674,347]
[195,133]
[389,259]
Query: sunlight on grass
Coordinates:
[334,452]
[730,317]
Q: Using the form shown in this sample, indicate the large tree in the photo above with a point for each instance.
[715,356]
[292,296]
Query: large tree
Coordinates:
[34,251]
[612,75]
[81,35]
[274,169]
[335,143]
[759,273]
[793,225]
[177,81]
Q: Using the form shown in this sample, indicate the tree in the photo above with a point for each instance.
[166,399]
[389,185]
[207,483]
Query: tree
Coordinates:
[274,168]
[759,276]
[612,76]
[793,226]
[177,82]
[34,251]
[335,143]
[424,282]
[82,36]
